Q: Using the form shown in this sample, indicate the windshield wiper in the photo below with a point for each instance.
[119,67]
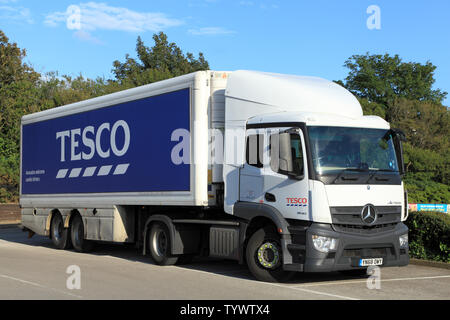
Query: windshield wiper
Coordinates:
[349,169]
[377,171]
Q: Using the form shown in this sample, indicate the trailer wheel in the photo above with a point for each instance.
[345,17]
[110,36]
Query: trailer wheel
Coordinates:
[79,243]
[59,235]
[160,245]
[264,257]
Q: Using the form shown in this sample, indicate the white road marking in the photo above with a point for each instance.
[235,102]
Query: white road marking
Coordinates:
[364,281]
[274,284]
[312,291]
[39,285]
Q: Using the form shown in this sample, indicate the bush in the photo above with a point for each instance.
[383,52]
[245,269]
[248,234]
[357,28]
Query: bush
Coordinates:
[429,235]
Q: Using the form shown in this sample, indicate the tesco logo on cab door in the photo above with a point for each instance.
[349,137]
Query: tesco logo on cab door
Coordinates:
[296,202]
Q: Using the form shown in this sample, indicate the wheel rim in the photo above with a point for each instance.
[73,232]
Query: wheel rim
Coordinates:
[268,255]
[160,243]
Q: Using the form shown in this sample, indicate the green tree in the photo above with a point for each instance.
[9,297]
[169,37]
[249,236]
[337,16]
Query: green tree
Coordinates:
[162,61]
[426,124]
[381,78]
[12,67]
[18,95]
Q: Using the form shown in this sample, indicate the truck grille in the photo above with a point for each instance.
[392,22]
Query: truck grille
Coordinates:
[369,252]
[348,219]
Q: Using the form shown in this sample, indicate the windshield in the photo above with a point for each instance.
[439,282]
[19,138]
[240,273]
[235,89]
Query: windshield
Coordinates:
[335,149]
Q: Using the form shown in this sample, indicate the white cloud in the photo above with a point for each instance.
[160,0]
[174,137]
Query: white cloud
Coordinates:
[100,16]
[210,31]
[17,14]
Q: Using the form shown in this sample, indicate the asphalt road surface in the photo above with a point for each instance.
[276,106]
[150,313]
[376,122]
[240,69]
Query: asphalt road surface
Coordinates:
[33,269]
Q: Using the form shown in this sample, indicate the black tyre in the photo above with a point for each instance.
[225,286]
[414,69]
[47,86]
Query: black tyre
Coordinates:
[79,243]
[264,257]
[59,235]
[160,245]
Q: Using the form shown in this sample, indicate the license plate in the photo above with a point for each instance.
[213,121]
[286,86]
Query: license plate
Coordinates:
[370,262]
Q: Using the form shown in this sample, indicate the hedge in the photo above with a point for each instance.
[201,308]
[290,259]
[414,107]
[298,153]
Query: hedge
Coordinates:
[429,235]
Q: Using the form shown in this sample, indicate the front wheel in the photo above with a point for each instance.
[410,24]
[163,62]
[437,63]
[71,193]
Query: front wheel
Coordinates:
[265,258]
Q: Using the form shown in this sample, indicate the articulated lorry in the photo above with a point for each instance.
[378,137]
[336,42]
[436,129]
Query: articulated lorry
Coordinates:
[281,172]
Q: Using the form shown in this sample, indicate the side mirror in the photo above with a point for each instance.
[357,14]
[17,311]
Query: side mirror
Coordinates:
[285,157]
[282,158]
[399,137]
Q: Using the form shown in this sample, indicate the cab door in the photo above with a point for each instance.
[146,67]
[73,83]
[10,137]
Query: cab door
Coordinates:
[251,182]
[286,185]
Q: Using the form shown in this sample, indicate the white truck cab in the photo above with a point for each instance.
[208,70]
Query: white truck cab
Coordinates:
[314,160]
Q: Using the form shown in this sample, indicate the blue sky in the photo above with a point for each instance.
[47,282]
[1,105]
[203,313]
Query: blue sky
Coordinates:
[292,36]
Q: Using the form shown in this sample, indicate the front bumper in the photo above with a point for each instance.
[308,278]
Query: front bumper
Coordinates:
[351,248]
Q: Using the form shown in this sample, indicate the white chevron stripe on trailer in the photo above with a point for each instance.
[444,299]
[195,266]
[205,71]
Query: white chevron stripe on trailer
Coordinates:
[75,173]
[62,173]
[104,171]
[89,172]
[121,169]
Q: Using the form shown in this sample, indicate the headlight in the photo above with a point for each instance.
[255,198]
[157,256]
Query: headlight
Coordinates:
[324,244]
[404,241]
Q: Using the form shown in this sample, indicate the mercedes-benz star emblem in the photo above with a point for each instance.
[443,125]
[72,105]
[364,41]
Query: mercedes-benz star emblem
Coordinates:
[369,214]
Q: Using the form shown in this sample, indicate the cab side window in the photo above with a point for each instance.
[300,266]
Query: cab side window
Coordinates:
[254,153]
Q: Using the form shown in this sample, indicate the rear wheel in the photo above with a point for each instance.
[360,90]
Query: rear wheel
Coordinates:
[80,244]
[59,235]
[265,258]
[160,245]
